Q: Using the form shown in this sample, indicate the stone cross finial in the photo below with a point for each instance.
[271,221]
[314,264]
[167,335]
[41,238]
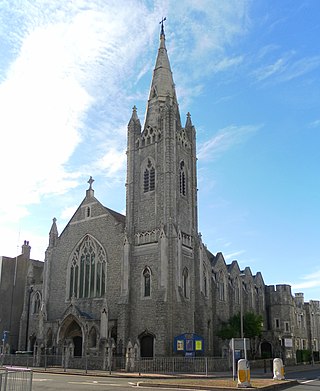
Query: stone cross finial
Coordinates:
[90,181]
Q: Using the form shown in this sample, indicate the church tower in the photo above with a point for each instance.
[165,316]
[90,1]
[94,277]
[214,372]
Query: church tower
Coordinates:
[159,267]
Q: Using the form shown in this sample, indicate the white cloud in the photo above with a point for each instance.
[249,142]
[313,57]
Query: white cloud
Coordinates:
[315,124]
[309,281]
[233,255]
[287,68]
[224,139]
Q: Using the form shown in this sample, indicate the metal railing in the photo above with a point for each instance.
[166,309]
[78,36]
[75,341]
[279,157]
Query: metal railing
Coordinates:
[15,379]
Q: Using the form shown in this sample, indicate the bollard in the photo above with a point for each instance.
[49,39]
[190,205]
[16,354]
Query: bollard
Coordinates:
[243,373]
[278,369]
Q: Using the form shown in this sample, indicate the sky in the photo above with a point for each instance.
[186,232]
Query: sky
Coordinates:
[247,71]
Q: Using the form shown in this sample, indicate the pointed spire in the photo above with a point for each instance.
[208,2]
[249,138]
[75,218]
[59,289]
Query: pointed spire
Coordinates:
[134,117]
[134,123]
[162,85]
[53,234]
[188,121]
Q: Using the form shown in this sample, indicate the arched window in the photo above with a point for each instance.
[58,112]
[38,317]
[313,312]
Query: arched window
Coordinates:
[182,179]
[36,303]
[237,292]
[149,177]
[185,282]
[88,270]
[221,285]
[146,282]
[92,340]
[205,281]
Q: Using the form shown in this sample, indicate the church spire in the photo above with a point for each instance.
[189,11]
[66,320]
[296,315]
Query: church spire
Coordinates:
[53,234]
[162,85]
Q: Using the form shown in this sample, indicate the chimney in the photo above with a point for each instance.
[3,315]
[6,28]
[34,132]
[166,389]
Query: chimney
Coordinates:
[26,249]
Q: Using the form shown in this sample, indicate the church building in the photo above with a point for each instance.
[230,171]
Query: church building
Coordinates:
[143,277]
[146,280]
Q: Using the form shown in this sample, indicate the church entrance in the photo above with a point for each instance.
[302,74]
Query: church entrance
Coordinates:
[146,345]
[266,350]
[71,331]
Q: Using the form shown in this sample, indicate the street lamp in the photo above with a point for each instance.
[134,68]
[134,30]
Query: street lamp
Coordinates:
[241,318]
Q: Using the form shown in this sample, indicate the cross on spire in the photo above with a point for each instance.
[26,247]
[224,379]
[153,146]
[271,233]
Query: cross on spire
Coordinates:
[90,181]
[162,29]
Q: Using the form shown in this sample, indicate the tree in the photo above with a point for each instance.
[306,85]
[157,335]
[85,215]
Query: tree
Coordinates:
[252,326]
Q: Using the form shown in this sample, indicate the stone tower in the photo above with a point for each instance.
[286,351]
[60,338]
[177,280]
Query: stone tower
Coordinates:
[158,274]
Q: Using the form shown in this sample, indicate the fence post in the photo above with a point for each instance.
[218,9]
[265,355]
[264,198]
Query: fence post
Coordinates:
[206,360]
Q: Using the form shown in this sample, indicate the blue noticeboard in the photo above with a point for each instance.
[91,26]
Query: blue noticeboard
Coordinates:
[189,344]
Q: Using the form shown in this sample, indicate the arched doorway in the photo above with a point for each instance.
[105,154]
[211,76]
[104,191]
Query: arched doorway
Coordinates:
[146,345]
[71,331]
[266,349]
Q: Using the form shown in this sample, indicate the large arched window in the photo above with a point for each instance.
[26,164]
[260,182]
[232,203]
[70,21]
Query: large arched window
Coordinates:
[149,177]
[88,270]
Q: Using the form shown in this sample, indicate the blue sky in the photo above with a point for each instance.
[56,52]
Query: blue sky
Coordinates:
[248,72]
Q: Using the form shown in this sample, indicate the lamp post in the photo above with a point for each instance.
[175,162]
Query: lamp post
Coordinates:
[241,318]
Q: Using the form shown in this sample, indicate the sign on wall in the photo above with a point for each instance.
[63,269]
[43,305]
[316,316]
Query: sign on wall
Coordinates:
[189,344]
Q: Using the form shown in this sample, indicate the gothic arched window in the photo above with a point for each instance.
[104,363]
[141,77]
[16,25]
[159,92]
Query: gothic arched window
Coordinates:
[221,287]
[185,283]
[36,303]
[149,177]
[182,179]
[88,270]
[146,282]
[205,281]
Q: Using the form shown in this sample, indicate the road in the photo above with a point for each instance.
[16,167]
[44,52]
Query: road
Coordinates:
[309,380]
[62,382]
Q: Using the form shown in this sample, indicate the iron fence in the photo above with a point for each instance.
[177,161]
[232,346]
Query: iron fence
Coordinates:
[15,379]
[199,365]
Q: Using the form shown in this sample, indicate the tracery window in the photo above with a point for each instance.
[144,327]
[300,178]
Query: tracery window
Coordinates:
[88,270]
[146,282]
[149,177]
[182,179]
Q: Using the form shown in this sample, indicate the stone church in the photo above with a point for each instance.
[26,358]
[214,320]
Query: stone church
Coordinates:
[143,279]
